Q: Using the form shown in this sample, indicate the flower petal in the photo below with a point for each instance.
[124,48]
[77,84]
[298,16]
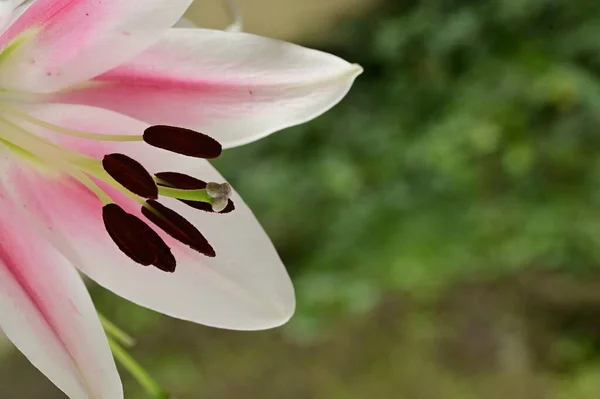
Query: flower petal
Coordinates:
[235,87]
[17,8]
[6,12]
[244,287]
[184,23]
[64,42]
[46,311]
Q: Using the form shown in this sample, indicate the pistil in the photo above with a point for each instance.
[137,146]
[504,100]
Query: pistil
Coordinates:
[190,195]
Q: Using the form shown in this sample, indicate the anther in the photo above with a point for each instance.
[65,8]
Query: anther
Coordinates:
[177,227]
[136,239]
[185,182]
[131,175]
[182,141]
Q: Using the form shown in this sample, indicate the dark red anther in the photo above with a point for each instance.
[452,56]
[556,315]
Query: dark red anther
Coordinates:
[165,261]
[177,227]
[130,174]
[185,182]
[136,239]
[181,181]
[182,141]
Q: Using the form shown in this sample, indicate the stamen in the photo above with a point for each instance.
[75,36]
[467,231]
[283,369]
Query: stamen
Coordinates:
[35,145]
[180,180]
[46,153]
[69,132]
[182,141]
[177,227]
[131,174]
[185,182]
[91,185]
[136,239]
[82,178]
[131,235]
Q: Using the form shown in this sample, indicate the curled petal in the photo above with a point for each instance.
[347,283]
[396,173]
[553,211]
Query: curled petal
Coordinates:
[235,87]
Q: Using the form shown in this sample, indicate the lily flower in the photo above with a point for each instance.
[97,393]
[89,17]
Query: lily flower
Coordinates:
[96,178]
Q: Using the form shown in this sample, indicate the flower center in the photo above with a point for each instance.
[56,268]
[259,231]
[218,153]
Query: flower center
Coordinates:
[134,237]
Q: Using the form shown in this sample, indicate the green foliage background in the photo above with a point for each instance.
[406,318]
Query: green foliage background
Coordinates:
[441,224]
[468,148]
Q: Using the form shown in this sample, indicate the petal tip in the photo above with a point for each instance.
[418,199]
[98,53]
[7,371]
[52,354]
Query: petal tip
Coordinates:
[281,308]
[347,74]
[356,70]
[285,312]
[269,311]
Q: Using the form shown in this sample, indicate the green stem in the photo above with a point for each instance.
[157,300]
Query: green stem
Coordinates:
[115,332]
[151,387]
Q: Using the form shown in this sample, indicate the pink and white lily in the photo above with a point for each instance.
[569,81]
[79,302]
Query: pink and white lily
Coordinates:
[80,79]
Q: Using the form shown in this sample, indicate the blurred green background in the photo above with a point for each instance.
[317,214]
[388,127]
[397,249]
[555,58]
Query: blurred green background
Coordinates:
[441,225]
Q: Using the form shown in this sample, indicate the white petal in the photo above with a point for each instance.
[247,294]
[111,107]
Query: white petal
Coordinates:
[6,12]
[235,87]
[237,24]
[46,311]
[185,23]
[245,287]
[18,8]
[17,3]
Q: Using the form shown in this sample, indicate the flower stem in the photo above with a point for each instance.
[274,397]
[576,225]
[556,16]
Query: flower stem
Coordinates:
[115,332]
[151,387]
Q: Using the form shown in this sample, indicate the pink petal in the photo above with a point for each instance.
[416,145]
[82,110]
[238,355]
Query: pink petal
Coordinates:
[245,287]
[235,87]
[64,42]
[46,310]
